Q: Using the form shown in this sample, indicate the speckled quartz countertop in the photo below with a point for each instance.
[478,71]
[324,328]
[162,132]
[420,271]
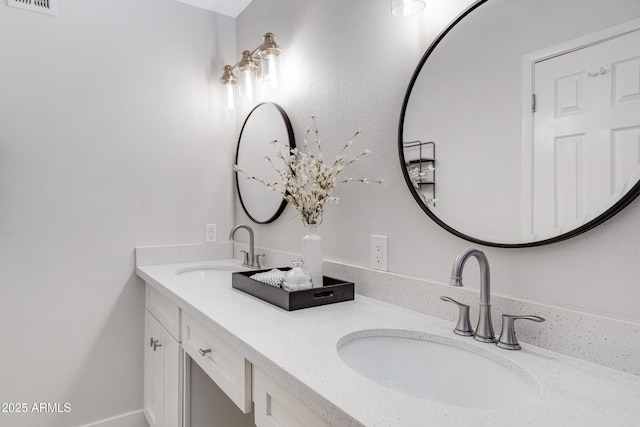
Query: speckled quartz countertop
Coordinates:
[298,350]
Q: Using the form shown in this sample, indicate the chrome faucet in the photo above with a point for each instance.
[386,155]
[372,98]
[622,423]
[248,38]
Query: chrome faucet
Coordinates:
[250,259]
[484,330]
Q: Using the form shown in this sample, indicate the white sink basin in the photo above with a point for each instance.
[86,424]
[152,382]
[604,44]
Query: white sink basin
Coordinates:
[439,369]
[207,272]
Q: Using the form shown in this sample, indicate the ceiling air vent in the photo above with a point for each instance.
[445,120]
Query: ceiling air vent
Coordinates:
[50,7]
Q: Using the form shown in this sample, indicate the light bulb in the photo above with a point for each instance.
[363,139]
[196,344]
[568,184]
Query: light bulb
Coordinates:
[230,82]
[270,71]
[270,54]
[248,76]
[231,96]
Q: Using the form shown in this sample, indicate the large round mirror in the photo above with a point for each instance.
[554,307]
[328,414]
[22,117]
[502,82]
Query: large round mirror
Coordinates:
[521,124]
[266,133]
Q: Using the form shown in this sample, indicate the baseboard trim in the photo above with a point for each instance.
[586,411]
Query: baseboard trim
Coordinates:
[130,419]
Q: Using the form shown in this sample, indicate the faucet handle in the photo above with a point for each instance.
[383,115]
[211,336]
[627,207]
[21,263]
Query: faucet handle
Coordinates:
[258,260]
[508,338]
[464,324]
[245,259]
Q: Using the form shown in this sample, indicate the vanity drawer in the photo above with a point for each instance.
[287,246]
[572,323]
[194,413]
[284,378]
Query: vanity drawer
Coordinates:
[167,313]
[276,407]
[226,367]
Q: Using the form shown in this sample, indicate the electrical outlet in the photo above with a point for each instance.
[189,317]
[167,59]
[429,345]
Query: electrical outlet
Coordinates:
[380,252]
[210,234]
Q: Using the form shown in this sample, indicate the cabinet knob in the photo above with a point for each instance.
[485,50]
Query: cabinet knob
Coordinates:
[204,352]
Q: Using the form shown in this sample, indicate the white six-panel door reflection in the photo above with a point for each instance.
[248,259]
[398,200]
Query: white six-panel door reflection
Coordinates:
[586,144]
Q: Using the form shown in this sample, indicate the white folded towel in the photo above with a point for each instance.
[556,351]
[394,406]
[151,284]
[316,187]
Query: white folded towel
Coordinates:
[273,277]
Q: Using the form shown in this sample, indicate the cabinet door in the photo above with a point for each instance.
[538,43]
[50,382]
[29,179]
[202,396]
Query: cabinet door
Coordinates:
[162,367]
[163,309]
[276,407]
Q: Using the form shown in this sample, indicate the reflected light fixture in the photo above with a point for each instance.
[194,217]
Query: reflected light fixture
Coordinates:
[407,8]
[260,64]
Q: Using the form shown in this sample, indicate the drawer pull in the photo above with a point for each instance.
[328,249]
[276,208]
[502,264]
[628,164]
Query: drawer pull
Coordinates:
[323,294]
[204,352]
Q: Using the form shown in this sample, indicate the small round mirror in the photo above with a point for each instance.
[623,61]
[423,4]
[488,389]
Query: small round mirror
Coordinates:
[266,123]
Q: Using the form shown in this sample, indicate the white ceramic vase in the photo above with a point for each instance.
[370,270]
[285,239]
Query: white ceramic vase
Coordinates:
[312,254]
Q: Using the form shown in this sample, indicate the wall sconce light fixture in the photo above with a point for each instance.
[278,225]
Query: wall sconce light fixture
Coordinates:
[260,64]
[406,8]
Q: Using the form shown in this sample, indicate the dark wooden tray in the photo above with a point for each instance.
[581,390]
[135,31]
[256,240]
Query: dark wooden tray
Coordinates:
[333,291]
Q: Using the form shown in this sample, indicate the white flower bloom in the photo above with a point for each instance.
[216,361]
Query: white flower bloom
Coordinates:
[306,181]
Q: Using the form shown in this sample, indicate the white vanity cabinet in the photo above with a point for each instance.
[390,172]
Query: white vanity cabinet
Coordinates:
[162,362]
[276,407]
[174,338]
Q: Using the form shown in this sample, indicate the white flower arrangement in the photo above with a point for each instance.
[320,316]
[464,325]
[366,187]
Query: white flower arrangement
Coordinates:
[306,181]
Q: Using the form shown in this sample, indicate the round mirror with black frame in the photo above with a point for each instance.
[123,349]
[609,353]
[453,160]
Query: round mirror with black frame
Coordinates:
[521,123]
[266,132]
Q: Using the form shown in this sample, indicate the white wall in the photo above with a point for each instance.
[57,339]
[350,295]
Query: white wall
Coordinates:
[111,137]
[349,62]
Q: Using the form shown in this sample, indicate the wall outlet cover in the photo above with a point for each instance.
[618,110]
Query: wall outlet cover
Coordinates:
[380,252]
[210,235]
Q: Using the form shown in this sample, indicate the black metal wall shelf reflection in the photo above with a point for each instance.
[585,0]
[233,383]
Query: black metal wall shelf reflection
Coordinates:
[421,167]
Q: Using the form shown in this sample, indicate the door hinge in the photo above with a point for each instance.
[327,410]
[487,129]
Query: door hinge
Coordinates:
[533,102]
